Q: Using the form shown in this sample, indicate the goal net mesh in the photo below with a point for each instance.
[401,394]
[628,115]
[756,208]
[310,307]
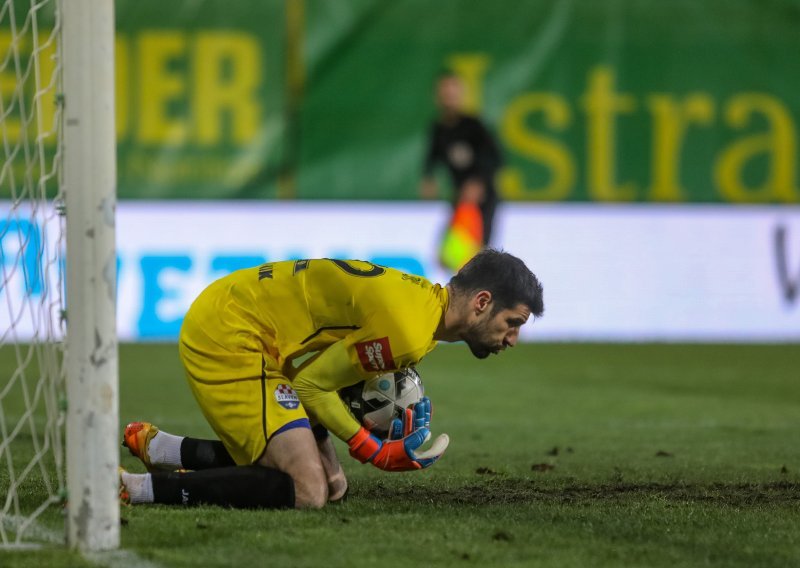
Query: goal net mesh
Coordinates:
[32,403]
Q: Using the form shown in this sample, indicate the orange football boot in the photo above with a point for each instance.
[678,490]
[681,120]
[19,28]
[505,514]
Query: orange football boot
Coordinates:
[137,438]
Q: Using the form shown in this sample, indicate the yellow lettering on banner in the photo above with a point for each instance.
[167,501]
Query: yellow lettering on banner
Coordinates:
[49,86]
[8,85]
[122,86]
[37,93]
[778,143]
[671,120]
[159,86]
[226,78]
[553,154]
[602,104]
[471,69]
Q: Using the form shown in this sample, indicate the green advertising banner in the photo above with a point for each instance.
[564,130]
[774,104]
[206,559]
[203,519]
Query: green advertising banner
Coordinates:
[621,101]
[201,98]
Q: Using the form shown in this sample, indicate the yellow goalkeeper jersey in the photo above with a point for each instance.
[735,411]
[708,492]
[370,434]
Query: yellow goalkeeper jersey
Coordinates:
[324,324]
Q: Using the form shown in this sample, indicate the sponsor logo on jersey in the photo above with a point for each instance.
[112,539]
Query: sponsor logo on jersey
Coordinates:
[286,397]
[375,354]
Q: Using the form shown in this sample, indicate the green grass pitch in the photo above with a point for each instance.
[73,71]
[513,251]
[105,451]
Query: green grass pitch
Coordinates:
[563,455]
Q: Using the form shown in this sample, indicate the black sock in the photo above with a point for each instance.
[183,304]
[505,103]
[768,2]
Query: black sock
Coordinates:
[242,487]
[204,454]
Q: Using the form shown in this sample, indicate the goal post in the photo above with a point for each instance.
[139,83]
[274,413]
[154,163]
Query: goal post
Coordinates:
[90,180]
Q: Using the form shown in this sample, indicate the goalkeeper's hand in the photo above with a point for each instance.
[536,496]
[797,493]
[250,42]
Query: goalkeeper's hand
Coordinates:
[415,416]
[400,454]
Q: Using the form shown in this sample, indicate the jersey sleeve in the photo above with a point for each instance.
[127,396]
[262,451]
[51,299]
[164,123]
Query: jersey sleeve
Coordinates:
[392,340]
[317,386]
[386,344]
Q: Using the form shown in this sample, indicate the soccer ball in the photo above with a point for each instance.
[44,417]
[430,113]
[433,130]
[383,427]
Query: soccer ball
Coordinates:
[378,401]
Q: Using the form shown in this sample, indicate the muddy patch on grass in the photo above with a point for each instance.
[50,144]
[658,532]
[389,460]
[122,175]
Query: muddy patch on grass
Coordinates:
[501,491]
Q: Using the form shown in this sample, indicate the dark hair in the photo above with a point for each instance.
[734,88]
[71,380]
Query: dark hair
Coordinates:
[505,276]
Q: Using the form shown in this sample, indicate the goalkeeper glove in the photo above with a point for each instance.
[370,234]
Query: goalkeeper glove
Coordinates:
[414,417]
[397,455]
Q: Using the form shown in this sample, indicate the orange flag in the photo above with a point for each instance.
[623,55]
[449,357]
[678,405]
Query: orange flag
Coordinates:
[463,237]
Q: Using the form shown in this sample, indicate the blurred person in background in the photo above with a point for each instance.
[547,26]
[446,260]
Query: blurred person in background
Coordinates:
[464,145]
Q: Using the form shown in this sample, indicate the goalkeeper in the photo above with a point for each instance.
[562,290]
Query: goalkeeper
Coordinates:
[266,350]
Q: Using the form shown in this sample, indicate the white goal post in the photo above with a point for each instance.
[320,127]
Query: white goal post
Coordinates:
[58,344]
[90,179]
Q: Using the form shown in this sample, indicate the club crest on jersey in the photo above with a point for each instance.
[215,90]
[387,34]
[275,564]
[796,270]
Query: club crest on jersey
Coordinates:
[286,397]
[375,354]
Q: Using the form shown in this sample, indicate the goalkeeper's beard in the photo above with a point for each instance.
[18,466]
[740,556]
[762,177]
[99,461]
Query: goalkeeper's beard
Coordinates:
[475,338]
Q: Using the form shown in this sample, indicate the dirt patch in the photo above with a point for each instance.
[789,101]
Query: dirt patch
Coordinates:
[496,490]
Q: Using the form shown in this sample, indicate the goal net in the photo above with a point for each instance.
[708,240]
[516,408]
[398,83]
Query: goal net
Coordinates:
[48,393]
[32,475]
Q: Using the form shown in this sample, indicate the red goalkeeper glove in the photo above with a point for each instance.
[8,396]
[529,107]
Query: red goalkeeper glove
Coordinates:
[397,455]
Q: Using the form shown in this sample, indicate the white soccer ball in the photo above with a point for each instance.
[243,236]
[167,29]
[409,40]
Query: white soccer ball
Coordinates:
[378,401]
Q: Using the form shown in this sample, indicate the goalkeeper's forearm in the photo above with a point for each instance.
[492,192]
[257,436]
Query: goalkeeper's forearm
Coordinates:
[327,409]
[317,387]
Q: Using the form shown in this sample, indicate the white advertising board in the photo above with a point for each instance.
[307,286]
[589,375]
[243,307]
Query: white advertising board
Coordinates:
[610,273]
